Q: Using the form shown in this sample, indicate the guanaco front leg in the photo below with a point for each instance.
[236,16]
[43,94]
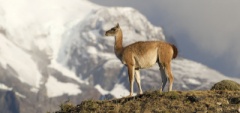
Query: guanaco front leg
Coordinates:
[138,80]
[131,78]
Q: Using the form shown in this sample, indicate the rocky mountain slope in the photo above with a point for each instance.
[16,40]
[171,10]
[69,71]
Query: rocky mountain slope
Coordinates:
[51,51]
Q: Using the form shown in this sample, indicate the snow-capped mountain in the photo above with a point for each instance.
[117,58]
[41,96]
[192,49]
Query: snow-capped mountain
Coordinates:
[51,51]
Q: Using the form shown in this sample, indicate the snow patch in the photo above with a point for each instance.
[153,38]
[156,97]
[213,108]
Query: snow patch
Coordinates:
[101,90]
[92,50]
[20,95]
[190,69]
[41,43]
[4,87]
[56,88]
[193,81]
[112,64]
[34,90]
[119,91]
[184,86]
[26,69]
[106,56]
[66,72]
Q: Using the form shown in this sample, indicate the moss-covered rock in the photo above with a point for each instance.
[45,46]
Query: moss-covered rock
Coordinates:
[226,85]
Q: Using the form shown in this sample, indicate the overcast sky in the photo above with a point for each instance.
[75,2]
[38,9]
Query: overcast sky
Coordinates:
[207,31]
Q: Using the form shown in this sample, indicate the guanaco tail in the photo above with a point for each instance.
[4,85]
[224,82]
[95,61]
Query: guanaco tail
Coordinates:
[144,54]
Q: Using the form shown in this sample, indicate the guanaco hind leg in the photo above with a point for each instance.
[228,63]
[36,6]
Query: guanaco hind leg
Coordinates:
[164,77]
[168,71]
[138,80]
[166,74]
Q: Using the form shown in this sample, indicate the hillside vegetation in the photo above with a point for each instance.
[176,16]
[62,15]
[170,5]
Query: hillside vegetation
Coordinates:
[226,100]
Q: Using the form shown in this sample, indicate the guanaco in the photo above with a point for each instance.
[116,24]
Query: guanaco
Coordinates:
[144,54]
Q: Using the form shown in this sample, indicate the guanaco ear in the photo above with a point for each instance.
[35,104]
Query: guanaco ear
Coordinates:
[117,26]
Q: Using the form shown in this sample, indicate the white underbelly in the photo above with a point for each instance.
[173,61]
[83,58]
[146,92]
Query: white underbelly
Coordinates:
[146,61]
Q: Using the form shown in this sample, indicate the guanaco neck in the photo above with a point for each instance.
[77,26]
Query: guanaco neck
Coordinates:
[118,48]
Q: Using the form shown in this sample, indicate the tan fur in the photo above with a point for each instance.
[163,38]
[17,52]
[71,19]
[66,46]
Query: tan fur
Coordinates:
[144,54]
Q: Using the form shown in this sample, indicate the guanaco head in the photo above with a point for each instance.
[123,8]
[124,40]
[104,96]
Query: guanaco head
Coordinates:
[113,31]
